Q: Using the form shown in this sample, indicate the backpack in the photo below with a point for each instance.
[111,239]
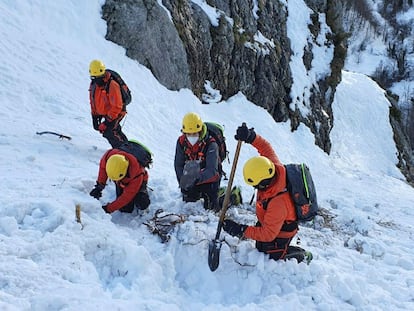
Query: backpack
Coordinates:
[137,149]
[125,91]
[217,132]
[302,190]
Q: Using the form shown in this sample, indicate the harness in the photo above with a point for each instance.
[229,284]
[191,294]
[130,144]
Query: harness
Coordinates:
[196,152]
[287,226]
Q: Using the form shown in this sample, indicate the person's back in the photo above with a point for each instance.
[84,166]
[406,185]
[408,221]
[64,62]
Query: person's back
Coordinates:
[130,179]
[107,107]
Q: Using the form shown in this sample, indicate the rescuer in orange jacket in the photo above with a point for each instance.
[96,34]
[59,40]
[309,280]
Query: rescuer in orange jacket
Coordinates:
[106,103]
[130,179]
[277,222]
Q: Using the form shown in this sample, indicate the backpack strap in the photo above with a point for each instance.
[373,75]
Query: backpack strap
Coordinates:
[93,89]
[109,81]
[108,84]
[188,152]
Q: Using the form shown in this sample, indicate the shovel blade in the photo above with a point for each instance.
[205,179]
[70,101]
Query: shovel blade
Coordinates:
[214,254]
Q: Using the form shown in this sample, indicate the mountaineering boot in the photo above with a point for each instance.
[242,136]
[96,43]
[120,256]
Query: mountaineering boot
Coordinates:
[299,254]
[212,205]
[235,197]
[221,194]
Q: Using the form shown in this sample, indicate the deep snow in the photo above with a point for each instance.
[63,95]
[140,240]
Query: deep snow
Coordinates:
[362,246]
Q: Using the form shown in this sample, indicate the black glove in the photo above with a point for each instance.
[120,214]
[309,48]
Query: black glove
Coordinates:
[187,182]
[233,228]
[97,191]
[245,134]
[96,120]
[105,208]
[191,174]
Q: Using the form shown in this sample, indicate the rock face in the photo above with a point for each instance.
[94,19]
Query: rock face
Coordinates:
[235,46]
[239,47]
[149,36]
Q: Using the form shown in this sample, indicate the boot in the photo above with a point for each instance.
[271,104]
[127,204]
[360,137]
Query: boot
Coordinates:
[235,197]
[299,254]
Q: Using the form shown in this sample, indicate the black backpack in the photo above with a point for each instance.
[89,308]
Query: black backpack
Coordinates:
[125,91]
[302,190]
[141,152]
[217,132]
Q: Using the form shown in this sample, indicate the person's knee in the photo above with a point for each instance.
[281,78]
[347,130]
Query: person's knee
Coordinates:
[191,196]
[142,200]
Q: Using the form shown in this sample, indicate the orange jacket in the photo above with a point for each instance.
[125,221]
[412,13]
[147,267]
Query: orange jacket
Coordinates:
[108,105]
[280,209]
[131,183]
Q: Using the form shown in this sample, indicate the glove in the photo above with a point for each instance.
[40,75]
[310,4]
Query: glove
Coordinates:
[96,120]
[97,191]
[105,208]
[191,173]
[245,134]
[233,228]
[187,182]
[102,127]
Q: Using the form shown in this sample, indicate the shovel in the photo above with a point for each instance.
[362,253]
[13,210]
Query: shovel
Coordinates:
[215,245]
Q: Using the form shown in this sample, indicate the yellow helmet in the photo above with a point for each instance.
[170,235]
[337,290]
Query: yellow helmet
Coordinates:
[257,169]
[116,167]
[96,68]
[192,123]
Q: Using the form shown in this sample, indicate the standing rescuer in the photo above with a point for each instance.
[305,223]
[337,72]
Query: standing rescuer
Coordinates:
[277,222]
[107,107]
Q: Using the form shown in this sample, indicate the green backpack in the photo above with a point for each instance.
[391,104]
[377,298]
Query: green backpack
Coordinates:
[217,132]
[140,151]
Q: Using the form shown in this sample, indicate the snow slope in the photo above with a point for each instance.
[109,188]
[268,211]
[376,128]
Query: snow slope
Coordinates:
[362,246]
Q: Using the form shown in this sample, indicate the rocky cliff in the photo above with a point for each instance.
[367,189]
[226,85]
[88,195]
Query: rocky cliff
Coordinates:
[241,45]
[238,46]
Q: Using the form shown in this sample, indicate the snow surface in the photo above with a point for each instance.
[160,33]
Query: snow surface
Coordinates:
[362,246]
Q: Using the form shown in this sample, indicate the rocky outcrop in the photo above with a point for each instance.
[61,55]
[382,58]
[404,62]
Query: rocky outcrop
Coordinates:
[238,47]
[402,142]
[147,33]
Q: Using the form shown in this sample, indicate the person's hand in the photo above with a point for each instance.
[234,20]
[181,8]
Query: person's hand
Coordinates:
[95,122]
[102,127]
[233,228]
[97,191]
[187,182]
[105,208]
[191,175]
[245,134]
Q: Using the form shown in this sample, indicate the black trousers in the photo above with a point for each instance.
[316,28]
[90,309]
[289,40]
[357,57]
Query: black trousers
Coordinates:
[114,134]
[209,192]
[279,247]
[141,200]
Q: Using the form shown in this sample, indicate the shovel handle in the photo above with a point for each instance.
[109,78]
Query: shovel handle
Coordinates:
[228,190]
